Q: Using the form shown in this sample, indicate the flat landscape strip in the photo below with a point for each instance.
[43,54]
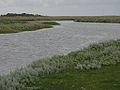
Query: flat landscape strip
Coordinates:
[109,19]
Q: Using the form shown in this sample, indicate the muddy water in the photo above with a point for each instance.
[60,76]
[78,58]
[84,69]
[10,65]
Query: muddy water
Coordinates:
[19,49]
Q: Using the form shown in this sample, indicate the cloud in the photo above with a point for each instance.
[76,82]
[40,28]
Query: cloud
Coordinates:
[41,3]
[6,1]
[62,7]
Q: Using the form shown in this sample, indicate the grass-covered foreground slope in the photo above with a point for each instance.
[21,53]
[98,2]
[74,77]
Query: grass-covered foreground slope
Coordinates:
[93,68]
[106,78]
[20,26]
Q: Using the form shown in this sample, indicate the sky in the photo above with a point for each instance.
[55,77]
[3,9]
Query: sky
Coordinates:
[61,7]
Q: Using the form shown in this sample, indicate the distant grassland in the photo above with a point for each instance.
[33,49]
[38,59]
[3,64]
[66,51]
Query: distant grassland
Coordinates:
[109,19]
[93,68]
[98,19]
[19,24]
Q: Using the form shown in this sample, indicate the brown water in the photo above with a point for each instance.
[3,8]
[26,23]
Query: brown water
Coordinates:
[20,49]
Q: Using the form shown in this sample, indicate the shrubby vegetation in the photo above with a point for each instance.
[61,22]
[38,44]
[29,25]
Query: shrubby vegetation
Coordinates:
[93,57]
[22,14]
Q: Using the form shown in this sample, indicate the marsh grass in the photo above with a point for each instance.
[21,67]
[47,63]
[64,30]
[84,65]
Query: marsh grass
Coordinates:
[50,23]
[19,24]
[91,58]
[16,26]
[99,19]
[20,27]
[109,19]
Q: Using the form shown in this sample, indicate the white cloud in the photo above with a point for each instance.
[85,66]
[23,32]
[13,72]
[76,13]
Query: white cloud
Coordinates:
[62,7]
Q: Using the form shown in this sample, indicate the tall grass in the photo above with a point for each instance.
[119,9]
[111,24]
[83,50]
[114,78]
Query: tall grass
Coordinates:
[93,57]
[19,26]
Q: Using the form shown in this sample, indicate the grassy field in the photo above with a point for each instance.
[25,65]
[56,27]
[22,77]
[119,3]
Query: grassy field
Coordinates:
[93,68]
[106,78]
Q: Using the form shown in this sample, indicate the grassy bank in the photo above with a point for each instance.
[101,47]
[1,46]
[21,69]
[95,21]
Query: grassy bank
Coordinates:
[20,26]
[51,23]
[91,68]
[99,19]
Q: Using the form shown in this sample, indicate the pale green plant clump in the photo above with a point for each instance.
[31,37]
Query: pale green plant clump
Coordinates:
[93,57]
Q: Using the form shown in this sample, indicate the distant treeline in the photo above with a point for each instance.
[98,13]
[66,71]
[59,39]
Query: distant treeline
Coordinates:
[22,14]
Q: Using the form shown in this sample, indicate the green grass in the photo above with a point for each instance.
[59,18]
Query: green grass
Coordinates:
[106,78]
[94,68]
[20,26]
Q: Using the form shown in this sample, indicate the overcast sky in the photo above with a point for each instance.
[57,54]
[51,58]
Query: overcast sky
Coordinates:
[61,7]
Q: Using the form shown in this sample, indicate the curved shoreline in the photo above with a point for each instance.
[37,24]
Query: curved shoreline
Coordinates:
[20,49]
